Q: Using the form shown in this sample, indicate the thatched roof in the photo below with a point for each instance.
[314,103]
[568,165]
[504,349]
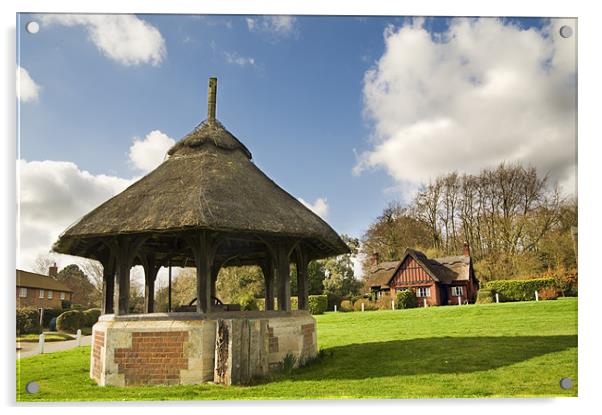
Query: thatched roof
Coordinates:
[207,182]
[381,274]
[444,269]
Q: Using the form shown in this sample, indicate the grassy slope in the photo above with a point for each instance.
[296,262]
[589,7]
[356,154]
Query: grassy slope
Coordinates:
[513,349]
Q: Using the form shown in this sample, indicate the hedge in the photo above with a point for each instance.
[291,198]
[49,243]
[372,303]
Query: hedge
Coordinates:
[317,304]
[91,316]
[519,290]
[485,296]
[28,320]
[406,299]
[70,321]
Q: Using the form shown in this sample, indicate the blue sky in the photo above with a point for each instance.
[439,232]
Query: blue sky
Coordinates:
[296,94]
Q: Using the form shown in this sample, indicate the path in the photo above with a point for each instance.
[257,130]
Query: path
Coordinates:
[32,349]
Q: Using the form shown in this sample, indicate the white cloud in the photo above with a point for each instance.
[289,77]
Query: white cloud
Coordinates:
[234,58]
[53,195]
[481,93]
[319,207]
[123,38]
[27,89]
[147,153]
[279,25]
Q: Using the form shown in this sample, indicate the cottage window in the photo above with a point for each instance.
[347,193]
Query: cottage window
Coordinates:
[457,291]
[22,292]
[41,293]
[62,296]
[423,292]
[50,294]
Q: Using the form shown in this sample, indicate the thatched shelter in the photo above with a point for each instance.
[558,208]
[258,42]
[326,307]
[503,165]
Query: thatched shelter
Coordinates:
[207,205]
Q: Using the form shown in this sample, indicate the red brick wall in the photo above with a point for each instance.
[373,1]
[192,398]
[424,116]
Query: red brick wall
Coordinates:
[99,341]
[154,358]
[33,299]
[308,336]
[452,299]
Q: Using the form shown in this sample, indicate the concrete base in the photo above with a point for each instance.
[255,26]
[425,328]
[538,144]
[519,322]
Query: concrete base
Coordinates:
[192,348]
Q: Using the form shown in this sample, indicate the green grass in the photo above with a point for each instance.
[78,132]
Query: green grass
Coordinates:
[489,350]
[48,337]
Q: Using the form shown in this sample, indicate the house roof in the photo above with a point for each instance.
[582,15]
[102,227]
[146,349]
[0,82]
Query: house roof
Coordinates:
[382,273]
[443,269]
[209,182]
[33,280]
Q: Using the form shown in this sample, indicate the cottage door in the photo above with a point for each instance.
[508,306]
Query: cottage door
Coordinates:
[443,290]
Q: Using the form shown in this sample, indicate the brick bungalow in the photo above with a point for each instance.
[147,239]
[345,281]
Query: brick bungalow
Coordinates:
[439,281]
[41,291]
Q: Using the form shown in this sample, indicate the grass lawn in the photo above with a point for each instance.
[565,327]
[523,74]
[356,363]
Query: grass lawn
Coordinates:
[490,350]
[48,337]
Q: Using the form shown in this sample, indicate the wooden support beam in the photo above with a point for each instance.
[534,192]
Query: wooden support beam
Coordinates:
[124,247]
[302,279]
[151,268]
[108,284]
[284,279]
[203,248]
[268,275]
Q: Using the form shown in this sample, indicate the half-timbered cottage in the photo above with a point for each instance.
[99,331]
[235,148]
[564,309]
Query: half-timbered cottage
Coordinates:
[436,281]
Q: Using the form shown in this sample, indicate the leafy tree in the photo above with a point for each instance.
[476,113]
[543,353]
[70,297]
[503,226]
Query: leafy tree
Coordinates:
[340,281]
[76,280]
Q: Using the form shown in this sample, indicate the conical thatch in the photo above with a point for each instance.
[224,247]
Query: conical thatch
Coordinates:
[207,182]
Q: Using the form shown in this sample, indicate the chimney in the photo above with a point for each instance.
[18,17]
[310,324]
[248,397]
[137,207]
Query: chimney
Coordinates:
[466,249]
[211,99]
[52,271]
[374,259]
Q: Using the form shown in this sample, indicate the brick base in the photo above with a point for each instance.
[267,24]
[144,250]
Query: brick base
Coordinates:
[166,349]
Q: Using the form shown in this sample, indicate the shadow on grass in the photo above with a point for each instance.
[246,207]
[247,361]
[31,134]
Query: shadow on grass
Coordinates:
[431,356]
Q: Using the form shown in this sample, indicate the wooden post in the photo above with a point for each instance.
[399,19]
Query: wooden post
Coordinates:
[302,280]
[268,275]
[362,306]
[425,305]
[536,296]
[150,276]
[335,308]
[125,248]
[284,278]
[169,288]
[459,300]
[108,285]
[122,283]
[202,247]
[497,298]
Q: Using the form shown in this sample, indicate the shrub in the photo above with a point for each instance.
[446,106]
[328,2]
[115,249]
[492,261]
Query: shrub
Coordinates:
[28,321]
[346,305]
[485,296]
[317,304]
[406,299]
[368,305]
[519,290]
[70,321]
[549,293]
[91,316]
[384,302]
[247,303]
